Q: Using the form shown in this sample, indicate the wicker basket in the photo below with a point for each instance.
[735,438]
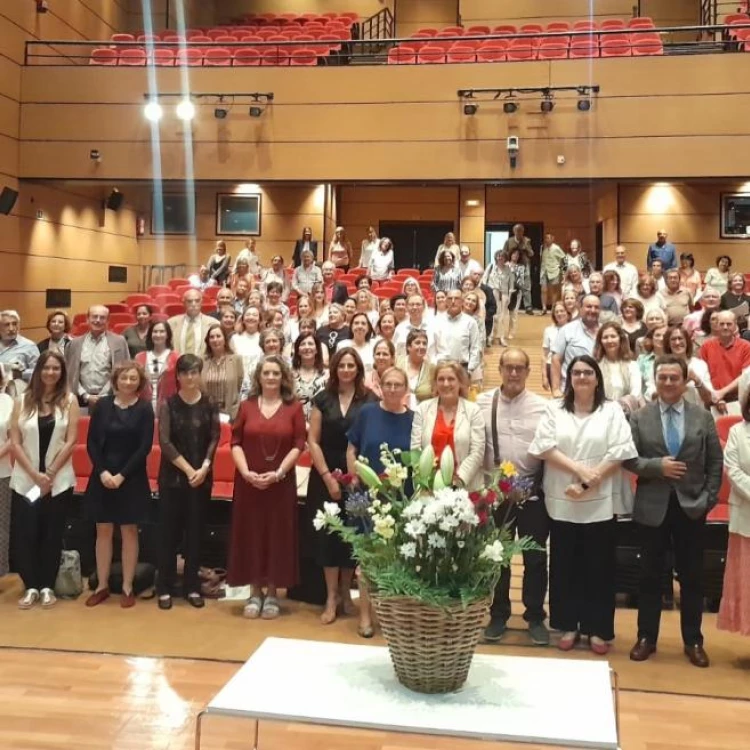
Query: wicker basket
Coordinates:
[431,649]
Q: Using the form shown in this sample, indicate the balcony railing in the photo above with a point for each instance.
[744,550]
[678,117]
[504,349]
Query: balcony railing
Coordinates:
[712,38]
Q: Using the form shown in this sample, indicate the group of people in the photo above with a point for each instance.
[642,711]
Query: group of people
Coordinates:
[635,374]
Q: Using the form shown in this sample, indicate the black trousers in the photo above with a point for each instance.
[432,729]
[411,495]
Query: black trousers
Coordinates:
[529,519]
[181,514]
[37,538]
[685,536]
[582,578]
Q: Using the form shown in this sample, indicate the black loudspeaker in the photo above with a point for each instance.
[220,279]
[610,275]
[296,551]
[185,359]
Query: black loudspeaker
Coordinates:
[114,200]
[7,200]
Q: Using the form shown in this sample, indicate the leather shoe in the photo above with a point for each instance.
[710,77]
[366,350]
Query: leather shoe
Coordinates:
[697,656]
[642,650]
[97,598]
[127,600]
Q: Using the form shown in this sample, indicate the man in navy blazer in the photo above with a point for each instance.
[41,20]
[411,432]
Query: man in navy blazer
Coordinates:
[679,468]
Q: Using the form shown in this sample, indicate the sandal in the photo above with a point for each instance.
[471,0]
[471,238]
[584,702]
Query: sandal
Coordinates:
[329,614]
[253,608]
[271,609]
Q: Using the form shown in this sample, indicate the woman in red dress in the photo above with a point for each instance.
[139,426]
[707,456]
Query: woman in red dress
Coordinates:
[268,436]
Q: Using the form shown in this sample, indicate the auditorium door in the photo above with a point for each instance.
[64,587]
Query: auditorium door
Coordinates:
[415,242]
[495,236]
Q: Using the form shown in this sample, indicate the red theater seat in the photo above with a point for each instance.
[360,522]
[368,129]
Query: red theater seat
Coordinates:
[646,45]
[520,49]
[553,49]
[461,55]
[613,23]
[190,57]
[275,56]
[492,52]
[558,26]
[216,57]
[724,424]
[224,471]
[431,53]
[162,57]
[303,57]
[133,57]
[641,22]
[477,31]
[82,467]
[246,56]
[103,56]
[581,48]
[615,47]
[122,38]
[505,28]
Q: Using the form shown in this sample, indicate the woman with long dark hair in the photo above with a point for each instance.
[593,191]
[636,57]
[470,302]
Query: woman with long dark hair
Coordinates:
[267,439]
[308,371]
[583,439]
[223,372]
[44,426]
[334,410]
[159,362]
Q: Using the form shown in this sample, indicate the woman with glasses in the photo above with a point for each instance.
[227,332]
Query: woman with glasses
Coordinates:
[700,390]
[583,439]
[387,421]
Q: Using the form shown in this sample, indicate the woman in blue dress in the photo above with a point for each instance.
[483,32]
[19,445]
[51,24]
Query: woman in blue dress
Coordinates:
[385,421]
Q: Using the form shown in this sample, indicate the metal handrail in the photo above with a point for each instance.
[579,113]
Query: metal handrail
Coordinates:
[382,24]
[353,44]
[709,12]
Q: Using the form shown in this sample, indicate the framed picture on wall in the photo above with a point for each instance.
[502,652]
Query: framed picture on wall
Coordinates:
[735,216]
[237,214]
[172,213]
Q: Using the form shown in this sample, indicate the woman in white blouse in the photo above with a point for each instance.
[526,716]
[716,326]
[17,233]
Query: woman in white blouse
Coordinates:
[583,438]
[44,426]
[369,246]
[381,266]
[361,340]
[622,377]
[646,294]
[718,277]
[6,409]
[560,317]
[734,612]
[700,390]
[449,244]
[451,420]
[159,362]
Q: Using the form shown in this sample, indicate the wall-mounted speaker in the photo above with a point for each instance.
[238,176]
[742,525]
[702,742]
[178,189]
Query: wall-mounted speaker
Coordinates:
[7,200]
[114,200]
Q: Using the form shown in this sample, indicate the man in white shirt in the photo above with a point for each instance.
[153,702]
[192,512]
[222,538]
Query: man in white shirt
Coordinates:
[416,320]
[17,353]
[457,335]
[627,272]
[201,280]
[574,338]
[466,264]
[511,415]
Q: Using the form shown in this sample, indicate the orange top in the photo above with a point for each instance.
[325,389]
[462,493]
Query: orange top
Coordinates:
[442,435]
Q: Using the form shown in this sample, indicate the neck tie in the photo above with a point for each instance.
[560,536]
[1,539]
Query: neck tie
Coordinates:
[673,436]
[190,337]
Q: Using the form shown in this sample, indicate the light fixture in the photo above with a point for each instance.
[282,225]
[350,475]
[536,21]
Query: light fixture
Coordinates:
[470,109]
[153,111]
[584,105]
[185,110]
[220,113]
[510,106]
[547,104]
[255,111]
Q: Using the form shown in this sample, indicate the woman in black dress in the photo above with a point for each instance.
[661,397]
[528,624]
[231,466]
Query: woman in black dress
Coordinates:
[188,435]
[334,411]
[121,432]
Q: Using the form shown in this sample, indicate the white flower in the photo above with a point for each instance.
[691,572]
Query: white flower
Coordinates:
[384,526]
[331,509]
[396,474]
[493,551]
[397,451]
[413,509]
[460,545]
[414,529]
[319,522]
[448,523]
[385,508]
[436,541]
[455,567]
[408,550]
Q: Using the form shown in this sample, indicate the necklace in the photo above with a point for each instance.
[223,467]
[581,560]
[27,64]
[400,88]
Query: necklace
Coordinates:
[268,456]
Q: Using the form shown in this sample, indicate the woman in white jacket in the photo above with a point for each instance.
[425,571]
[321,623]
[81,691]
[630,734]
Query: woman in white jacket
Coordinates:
[734,612]
[451,420]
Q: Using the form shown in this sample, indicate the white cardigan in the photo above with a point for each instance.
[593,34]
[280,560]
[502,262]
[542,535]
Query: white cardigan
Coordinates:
[65,478]
[468,437]
[737,465]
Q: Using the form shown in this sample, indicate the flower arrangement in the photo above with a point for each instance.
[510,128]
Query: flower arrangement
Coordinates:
[416,535]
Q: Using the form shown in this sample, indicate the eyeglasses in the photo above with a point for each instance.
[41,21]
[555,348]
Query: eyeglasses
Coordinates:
[392,386]
[582,373]
[514,368]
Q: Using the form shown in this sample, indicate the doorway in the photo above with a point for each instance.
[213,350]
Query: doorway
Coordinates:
[495,237]
[415,243]
[599,246]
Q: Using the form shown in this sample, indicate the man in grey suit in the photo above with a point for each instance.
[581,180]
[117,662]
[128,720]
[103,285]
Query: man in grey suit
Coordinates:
[91,358]
[679,469]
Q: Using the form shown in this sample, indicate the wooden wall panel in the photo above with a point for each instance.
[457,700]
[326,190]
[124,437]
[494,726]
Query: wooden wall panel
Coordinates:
[416,14]
[472,219]
[284,211]
[568,211]
[398,123]
[494,12]
[363,205]
[227,9]
[606,212]
[689,212]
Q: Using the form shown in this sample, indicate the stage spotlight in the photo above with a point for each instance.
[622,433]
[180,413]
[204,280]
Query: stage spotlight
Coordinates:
[547,105]
[255,111]
[584,105]
[153,111]
[510,107]
[185,110]
[220,113]
[470,109]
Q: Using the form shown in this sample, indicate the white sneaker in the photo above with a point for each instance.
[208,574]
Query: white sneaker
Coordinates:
[29,599]
[48,598]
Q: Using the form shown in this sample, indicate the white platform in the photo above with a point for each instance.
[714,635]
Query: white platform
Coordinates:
[506,698]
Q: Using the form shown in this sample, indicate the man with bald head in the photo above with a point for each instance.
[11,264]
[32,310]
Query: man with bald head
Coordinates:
[573,339]
[662,250]
[627,272]
[726,355]
[91,358]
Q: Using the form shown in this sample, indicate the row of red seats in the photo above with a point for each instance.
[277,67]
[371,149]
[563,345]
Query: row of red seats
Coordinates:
[303,18]
[520,50]
[611,24]
[211,57]
[337,31]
